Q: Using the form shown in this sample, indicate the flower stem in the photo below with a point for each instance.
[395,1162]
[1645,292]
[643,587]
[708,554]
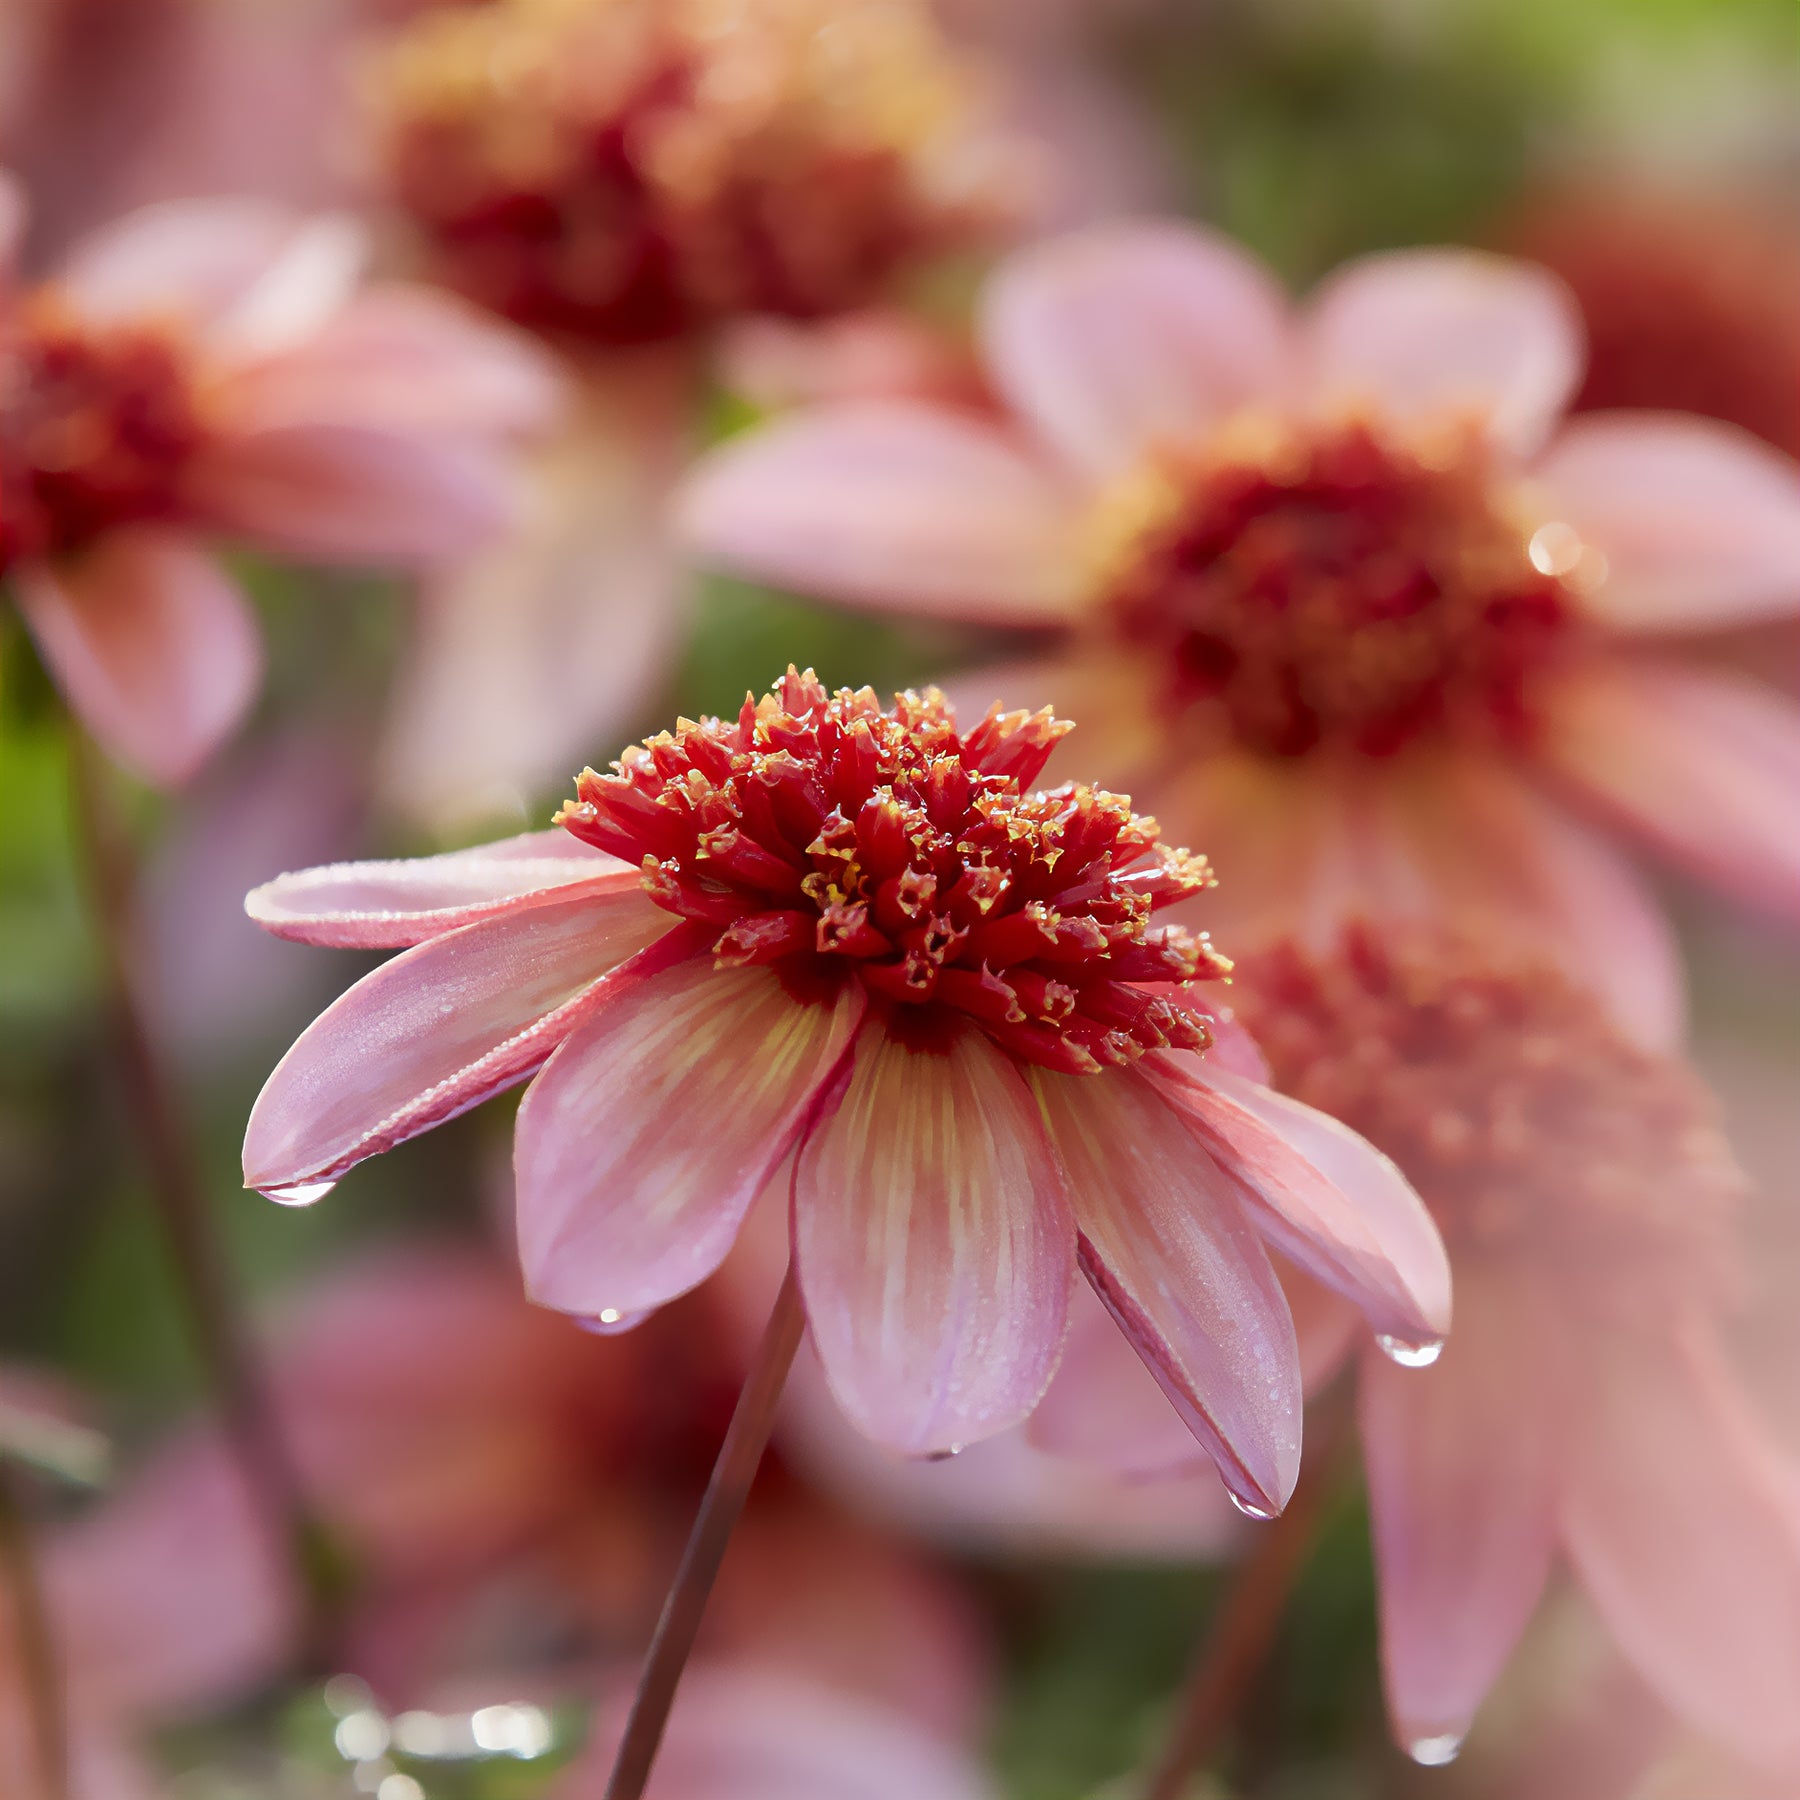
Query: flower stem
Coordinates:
[1232,1654]
[222,1335]
[40,1670]
[739,1457]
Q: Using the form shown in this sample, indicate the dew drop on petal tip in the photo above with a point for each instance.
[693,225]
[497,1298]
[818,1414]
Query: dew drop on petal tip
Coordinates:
[301,1193]
[1435,1751]
[1249,1508]
[611,1322]
[1408,1355]
[938,1456]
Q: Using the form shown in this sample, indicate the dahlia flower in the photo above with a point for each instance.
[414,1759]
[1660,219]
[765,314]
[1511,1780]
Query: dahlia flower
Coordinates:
[1586,1404]
[1346,601]
[851,937]
[635,180]
[212,370]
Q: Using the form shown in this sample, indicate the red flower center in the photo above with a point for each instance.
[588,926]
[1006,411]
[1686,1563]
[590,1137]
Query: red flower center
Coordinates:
[1526,1122]
[96,426]
[1335,588]
[628,172]
[830,837]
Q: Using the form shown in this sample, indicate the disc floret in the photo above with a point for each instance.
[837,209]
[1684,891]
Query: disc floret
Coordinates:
[836,839]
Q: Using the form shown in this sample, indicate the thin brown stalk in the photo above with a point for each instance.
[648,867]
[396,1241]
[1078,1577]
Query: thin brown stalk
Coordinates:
[222,1335]
[739,1458]
[1232,1655]
[40,1669]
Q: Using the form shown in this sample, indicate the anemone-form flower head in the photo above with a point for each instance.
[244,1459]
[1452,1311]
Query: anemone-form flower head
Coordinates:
[214,369]
[632,170]
[849,935]
[1585,1401]
[1341,592]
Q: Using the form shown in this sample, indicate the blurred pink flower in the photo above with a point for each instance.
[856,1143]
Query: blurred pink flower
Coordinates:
[747,1735]
[213,370]
[938,989]
[1586,1402]
[1345,602]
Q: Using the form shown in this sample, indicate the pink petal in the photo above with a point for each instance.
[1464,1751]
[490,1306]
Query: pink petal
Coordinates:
[641,1146]
[1326,1197]
[15,214]
[1109,338]
[1698,522]
[403,358]
[351,493]
[1683,1521]
[1105,1410]
[1168,1249]
[934,1243]
[151,643]
[1459,1459]
[436,1031]
[391,905]
[1495,859]
[1427,332]
[889,505]
[550,642]
[1704,765]
[255,276]
[743,1733]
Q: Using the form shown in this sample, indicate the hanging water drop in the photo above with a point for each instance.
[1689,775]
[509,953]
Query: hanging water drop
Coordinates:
[938,1456]
[301,1193]
[610,1321]
[1248,1508]
[1408,1355]
[1433,1752]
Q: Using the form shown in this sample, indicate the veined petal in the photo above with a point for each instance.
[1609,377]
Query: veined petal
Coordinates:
[391,905]
[1432,331]
[641,1146]
[1704,765]
[934,1243]
[151,643]
[1165,1242]
[437,1030]
[1326,1197]
[1683,1520]
[1459,1459]
[1109,338]
[1699,522]
[353,493]
[893,506]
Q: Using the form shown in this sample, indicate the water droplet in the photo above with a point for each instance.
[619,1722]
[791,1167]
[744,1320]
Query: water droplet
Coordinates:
[945,1455]
[611,1322]
[1433,1752]
[302,1193]
[1248,1508]
[1411,1356]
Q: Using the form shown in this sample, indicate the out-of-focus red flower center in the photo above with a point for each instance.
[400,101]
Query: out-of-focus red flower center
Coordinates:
[1529,1125]
[630,171]
[96,427]
[1336,586]
[823,834]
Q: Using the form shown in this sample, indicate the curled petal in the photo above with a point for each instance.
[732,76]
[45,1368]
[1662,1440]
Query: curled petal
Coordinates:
[1328,1198]
[891,506]
[641,1146]
[351,493]
[934,1243]
[152,644]
[1704,765]
[1432,331]
[1107,338]
[1167,1247]
[391,905]
[1698,522]
[1683,1521]
[1459,1459]
[436,1031]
